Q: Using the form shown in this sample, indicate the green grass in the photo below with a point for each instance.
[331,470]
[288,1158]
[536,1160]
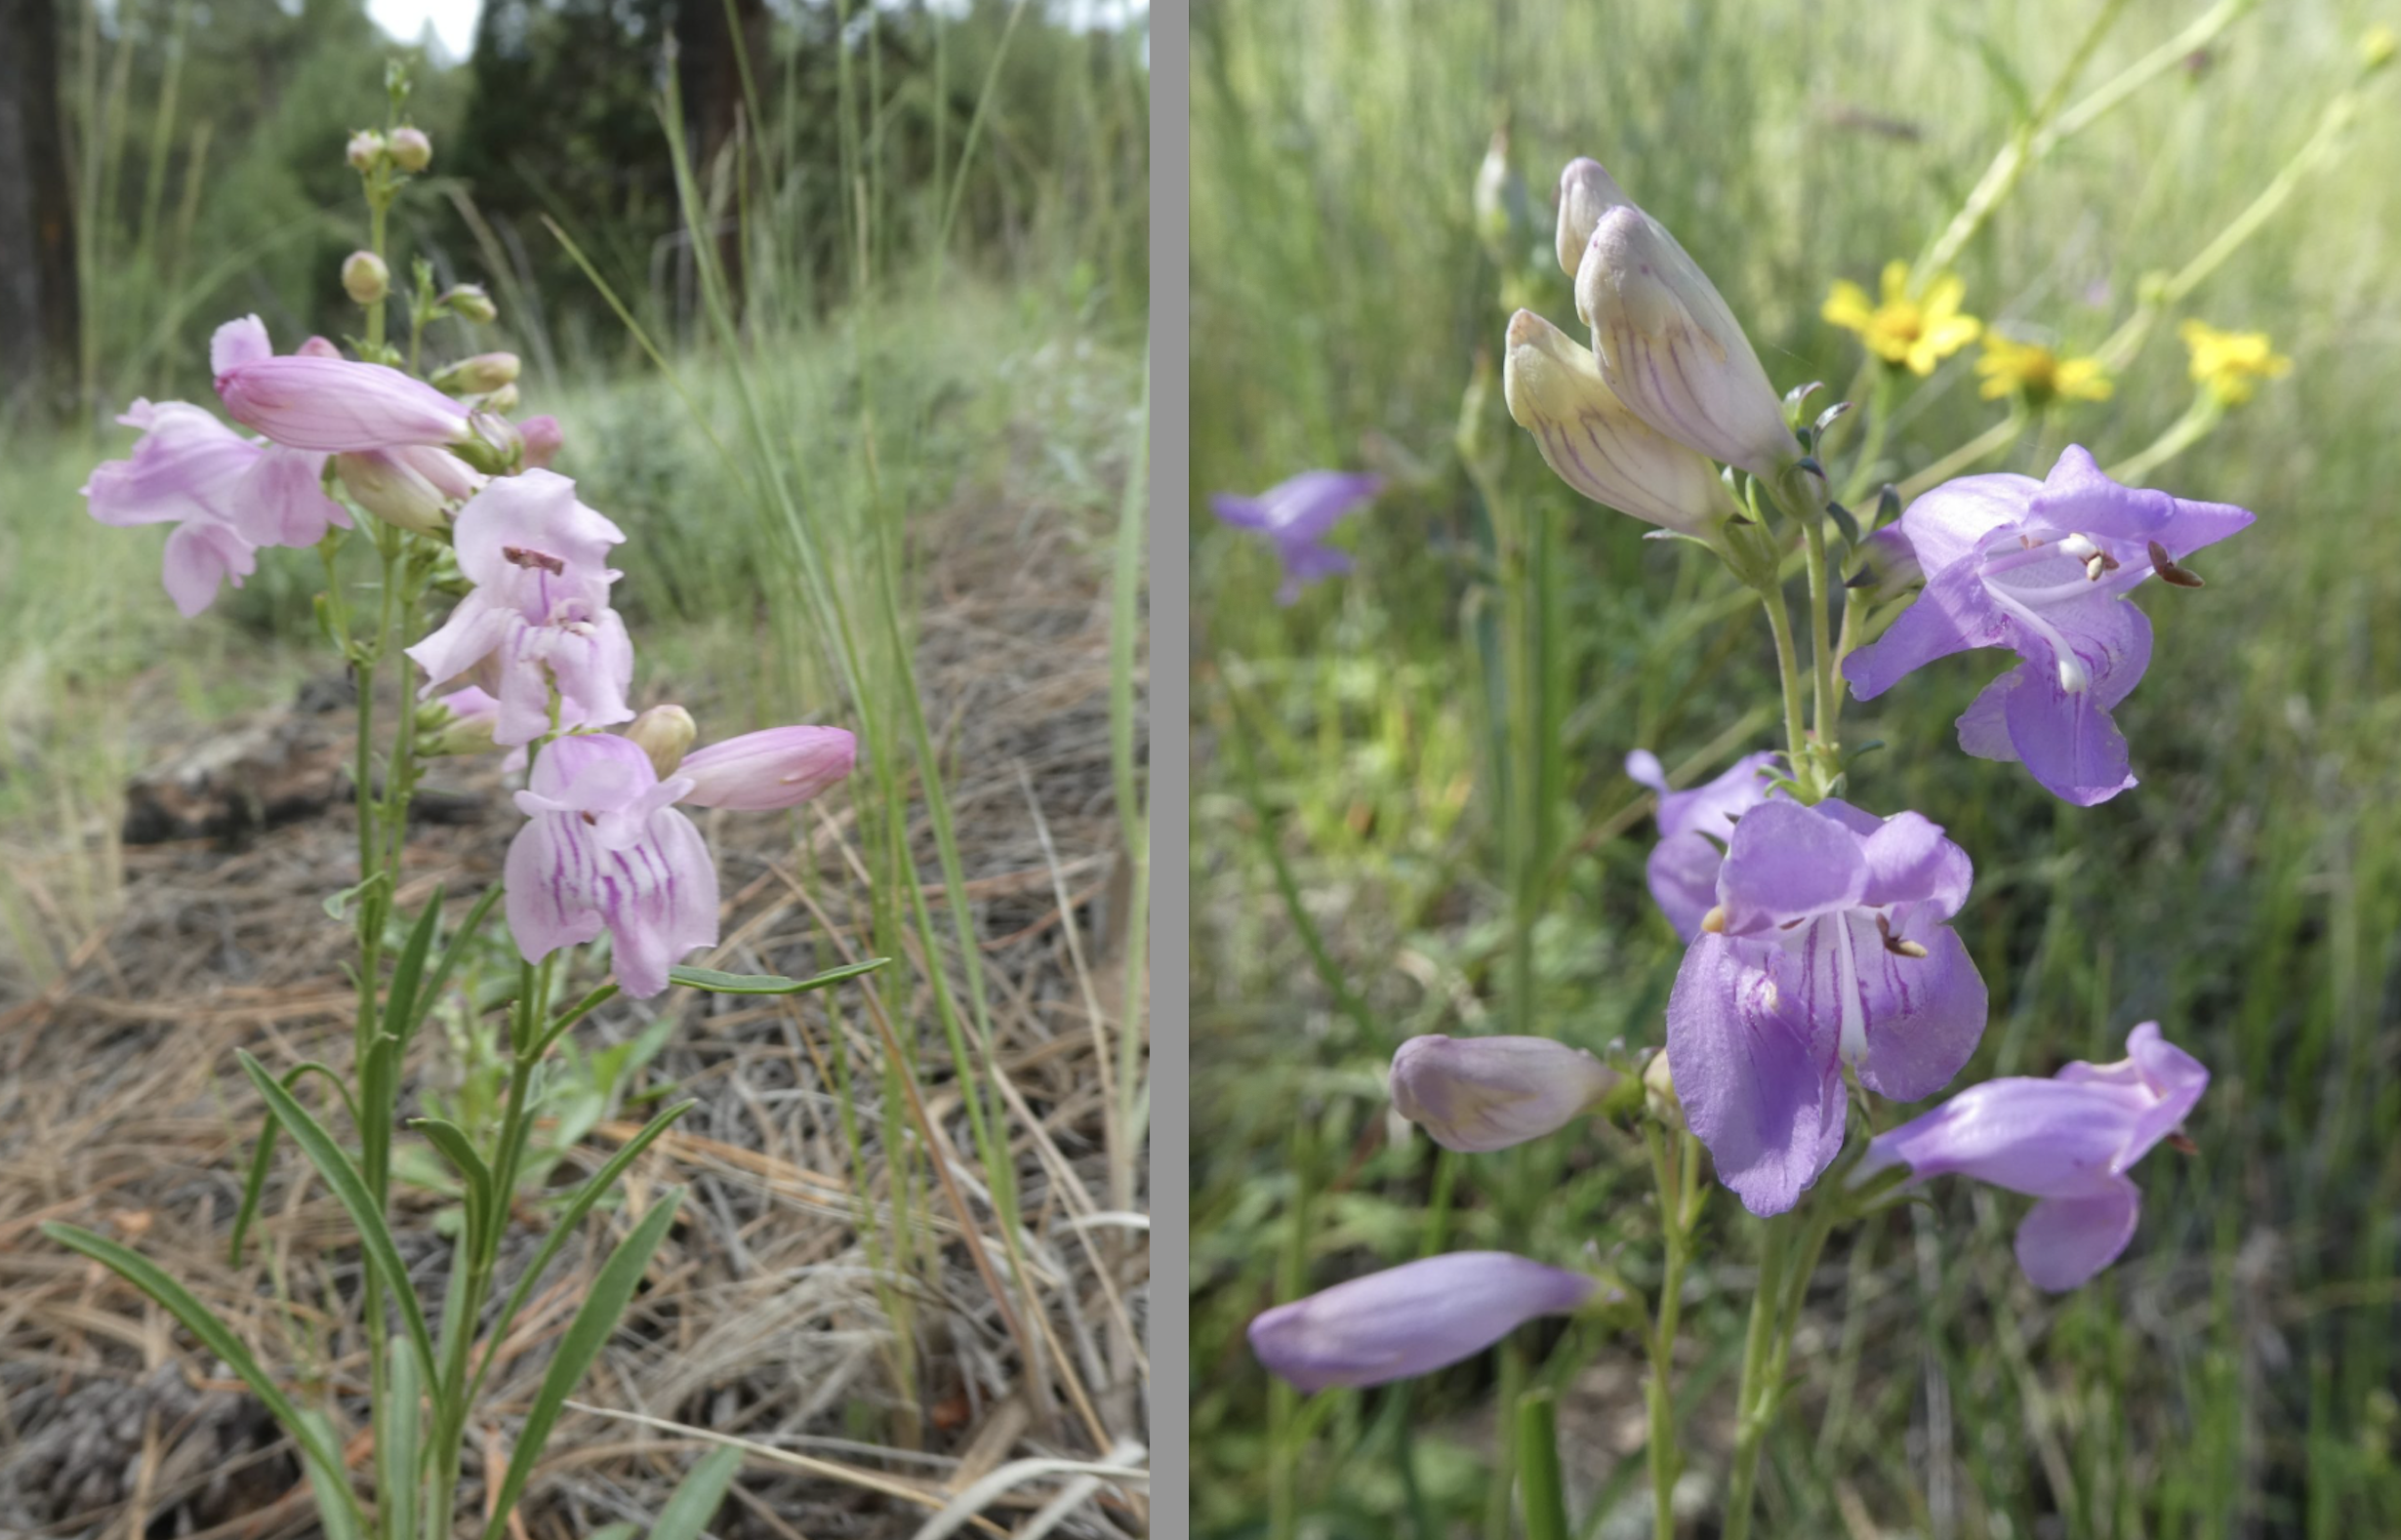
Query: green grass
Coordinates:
[2234,1374]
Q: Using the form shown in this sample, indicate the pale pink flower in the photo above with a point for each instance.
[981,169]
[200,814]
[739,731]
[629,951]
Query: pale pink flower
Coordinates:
[309,401]
[779,767]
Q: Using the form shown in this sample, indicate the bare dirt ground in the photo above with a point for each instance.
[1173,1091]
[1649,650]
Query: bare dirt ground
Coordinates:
[777,1311]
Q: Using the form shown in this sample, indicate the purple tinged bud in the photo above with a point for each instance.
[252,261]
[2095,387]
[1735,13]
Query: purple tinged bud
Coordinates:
[413,487]
[1671,349]
[365,278]
[779,767]
[317,347]
[364,149]
[305,401]
[1411,1320]
[543,439]
[1475,1094]
[1585,193]
[1597,445]
[663,733]
[461,722]
[411,150]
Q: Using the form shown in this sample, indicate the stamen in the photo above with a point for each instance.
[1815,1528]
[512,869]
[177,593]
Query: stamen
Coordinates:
[519,556]
[1898,946]
[1714,922]
[2169,572]
[2181,1143]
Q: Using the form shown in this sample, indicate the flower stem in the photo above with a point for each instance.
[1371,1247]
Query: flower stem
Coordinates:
[1546,1503]
[1821,644]
[2181,434]
[1674,1176]
[1991,441]
[1789,665]
[1754,1401]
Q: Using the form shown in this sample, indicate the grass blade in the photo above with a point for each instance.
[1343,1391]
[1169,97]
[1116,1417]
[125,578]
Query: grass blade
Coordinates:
[401,1016]
[585,1336]
[350,1190]
[398,1434]
[214,1334]
[696,1501]
[720,983]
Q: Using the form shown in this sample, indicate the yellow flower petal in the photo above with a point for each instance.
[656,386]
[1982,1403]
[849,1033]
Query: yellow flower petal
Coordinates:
[1847,306]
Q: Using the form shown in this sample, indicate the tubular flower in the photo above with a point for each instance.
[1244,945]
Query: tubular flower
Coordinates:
[604,848]
[779,767]
[2230,365]
[1666,342]
[1595,444]
[1830,947]
[1488,1093]
[2039,567]
[539,616]
[309,401]
[228,495]
[2067,1141]
[415,486]
[1295,516]
[1411,1320]
[2040,375]
[1693,828]
[1916,333]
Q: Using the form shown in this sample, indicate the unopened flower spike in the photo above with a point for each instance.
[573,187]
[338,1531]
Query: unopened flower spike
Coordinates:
[1477,1094]
[1914,332]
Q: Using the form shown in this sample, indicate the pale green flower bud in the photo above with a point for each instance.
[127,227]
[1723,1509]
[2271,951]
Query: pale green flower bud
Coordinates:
[1596,446]
[469,303]
[1672,350]
[480,375]
[364,149]
[411,150]
[365,278]
[665,733]
[413,487]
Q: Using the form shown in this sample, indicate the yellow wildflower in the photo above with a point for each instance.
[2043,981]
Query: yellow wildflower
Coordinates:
[2230,365]
[1917,333]
[2044,376]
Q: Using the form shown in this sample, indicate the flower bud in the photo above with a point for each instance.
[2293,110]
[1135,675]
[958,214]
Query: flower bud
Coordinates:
[491,444]
[1411,1320]
[1503,220]
[319,403]
[1888,565]
[477,376]
[1672,350]
[781,767]
[1596,446]
[1585,193]
[365,149]
[365,278]
[1659,1092]
[544,440]
[317,347]
[411,150]
[505,399]
[469,303]
[663,733]
[411,487]
[1474,1094]
[458,723]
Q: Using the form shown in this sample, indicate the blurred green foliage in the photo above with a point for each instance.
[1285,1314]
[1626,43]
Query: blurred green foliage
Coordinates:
[2234,1374]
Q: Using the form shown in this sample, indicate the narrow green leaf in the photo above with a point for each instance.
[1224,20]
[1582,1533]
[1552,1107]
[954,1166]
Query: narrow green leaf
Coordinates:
[572,1215]
[202,1323]
[350,1190]
[695,1502]
[397,1436]
[717,982]
[337,1505]
[583,1008]
[455,1148]
[585,1336]
[453,955]
[407,973]
[262,1157]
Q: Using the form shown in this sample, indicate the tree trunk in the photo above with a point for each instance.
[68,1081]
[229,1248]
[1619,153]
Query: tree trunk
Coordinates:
[39,314]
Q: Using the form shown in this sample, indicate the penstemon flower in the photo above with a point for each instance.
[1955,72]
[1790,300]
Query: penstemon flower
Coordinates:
[539,618]
[2067,1141]
[604,848]
[1295,516]
[1594,442]
[1830,947]
[1411,1320]
[2040,567]
[1694,825]
[776,768]
[307,400]
[1912,331]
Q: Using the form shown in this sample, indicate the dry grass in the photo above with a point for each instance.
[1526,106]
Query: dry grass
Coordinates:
[827,1307]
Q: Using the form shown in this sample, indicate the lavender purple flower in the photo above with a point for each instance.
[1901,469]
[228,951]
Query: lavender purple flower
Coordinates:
[1411,1320]
[2039,567]
[2067,1141]
[604,848]
[1694,825]
[1476,1094]
[310,401]
[1295,516]
[1830,947]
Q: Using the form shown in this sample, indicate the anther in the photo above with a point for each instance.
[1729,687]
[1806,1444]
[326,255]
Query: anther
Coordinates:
[2181,1143]
[1714,922]
[519,556]
[2169,572]
[1898,946]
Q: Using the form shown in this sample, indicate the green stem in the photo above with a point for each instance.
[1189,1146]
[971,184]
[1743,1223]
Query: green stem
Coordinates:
[1754,1400]
[1821,644]
[2181,434]
[379,205]
[1991,441]
[1666,1458]
[1788,666]
[1546,1502]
